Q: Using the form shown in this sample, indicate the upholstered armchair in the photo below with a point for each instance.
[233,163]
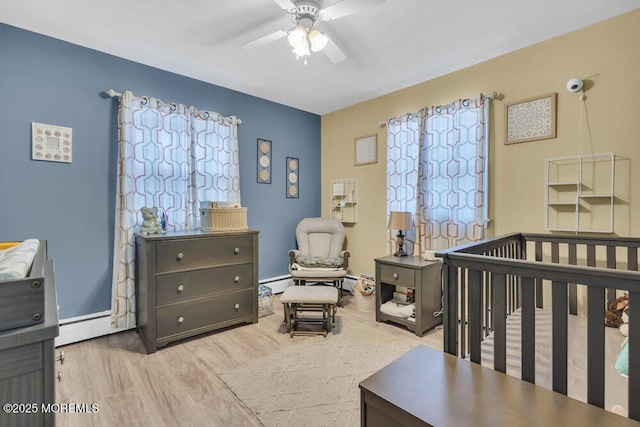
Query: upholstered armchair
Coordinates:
[319,257]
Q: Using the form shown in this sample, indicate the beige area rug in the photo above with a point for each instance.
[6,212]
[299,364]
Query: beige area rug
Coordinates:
[316,383]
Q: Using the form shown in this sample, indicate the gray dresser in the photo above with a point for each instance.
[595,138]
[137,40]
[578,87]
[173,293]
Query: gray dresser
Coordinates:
[188,283]
[27,361]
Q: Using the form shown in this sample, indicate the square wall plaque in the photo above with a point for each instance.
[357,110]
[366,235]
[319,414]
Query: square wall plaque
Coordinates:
[51,143]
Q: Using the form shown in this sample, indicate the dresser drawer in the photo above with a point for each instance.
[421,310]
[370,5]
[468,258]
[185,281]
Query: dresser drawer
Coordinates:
[186,254]
[177,319]
[396,275]
[180,287]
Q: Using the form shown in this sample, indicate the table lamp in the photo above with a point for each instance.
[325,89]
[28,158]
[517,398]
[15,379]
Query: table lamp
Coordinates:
[400,221]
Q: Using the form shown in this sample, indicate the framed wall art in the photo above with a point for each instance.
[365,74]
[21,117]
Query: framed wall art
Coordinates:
[530,119]
[264,161]
[51,143]
[293,173]
[366,150]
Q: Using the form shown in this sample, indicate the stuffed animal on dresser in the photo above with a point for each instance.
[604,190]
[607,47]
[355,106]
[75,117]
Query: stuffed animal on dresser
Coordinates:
[150,221]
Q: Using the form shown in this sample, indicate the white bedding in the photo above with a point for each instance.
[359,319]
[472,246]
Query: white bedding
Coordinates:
[615,384]
[15,262]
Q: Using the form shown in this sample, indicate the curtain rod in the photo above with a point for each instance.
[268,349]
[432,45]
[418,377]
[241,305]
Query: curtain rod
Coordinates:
[492,95]
[112,93]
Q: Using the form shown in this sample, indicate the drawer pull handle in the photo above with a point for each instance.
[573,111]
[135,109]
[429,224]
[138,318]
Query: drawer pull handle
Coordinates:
[60,358]
[180,319]
[180,256]
[237,306]
[180,288]
[395,275]
[236,279]
[58,377]
[236,251]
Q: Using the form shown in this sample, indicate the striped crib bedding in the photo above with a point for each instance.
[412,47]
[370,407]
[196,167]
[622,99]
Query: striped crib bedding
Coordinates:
[615,384]
[16,261]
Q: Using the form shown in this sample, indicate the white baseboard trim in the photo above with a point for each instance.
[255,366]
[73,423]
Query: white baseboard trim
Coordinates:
[80,328]
[278,284]
[94,325]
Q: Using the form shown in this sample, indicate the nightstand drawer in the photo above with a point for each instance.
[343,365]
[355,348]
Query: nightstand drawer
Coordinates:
[179,287]
[180,255]
[397,275]
[182,318]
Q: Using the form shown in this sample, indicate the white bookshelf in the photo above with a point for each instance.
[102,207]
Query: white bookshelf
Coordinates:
[344,200]
[579,193]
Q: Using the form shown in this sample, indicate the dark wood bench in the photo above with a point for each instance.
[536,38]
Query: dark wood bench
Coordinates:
[427,387]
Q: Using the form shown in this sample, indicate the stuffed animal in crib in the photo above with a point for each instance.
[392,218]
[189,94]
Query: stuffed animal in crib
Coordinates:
[613,315]
[621,308]
[150,221]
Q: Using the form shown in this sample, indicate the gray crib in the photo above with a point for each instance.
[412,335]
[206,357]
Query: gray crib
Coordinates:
[486,282]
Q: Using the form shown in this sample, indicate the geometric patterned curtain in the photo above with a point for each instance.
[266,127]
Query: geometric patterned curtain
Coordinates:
[170,157]
[403,163]
[436,169]
[454,155]
[215,167]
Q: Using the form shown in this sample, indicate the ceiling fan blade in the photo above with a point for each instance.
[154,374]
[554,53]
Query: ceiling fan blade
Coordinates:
[285,4]
[347,7]
[265,39]
[333,52]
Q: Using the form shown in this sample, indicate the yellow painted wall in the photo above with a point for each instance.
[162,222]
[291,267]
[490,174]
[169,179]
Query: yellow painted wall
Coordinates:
[609,50]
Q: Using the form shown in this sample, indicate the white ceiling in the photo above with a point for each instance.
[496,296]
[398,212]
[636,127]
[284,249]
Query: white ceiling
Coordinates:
[388,47]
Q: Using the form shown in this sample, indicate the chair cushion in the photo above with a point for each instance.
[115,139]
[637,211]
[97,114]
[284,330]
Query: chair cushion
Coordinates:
[310,294]
[319,261]
[318,274]
[320,237]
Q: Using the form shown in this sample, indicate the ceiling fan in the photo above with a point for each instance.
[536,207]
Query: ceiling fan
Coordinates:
[305,14]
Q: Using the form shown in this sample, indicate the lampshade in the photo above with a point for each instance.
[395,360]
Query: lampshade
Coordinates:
[297,37]
[400,221]
[318,40]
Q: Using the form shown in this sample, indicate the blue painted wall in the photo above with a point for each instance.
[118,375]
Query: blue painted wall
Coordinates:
[72,205]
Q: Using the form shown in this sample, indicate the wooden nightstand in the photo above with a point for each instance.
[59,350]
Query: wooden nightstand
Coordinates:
[424,277]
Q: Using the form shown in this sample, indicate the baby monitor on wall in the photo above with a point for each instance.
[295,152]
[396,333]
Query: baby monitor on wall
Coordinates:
[574,85]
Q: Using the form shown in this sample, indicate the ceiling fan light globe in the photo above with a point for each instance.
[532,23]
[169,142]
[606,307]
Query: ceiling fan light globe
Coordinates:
[297,37]
[302,50]
[318,40]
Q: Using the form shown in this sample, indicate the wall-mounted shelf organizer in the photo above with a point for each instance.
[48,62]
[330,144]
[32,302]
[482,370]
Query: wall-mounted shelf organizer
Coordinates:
[344,200]
[579,193]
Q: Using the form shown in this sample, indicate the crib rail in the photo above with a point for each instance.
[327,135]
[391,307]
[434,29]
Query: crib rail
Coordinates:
[486,281]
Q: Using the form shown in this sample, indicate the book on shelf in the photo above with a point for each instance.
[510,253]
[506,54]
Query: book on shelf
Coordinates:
[402,298]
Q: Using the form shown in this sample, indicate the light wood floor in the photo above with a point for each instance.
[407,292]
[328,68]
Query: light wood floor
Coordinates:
[178,385]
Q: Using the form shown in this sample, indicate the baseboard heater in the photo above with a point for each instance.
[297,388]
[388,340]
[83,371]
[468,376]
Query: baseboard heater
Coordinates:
[94,325]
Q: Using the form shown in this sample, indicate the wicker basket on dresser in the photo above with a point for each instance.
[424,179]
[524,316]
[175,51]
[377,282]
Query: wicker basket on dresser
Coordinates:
[192,282]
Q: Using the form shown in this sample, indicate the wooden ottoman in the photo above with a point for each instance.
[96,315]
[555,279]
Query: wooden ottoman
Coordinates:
[301,299]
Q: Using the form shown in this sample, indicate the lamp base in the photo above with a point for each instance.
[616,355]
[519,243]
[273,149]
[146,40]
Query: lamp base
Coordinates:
[400,241]
[400,252]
